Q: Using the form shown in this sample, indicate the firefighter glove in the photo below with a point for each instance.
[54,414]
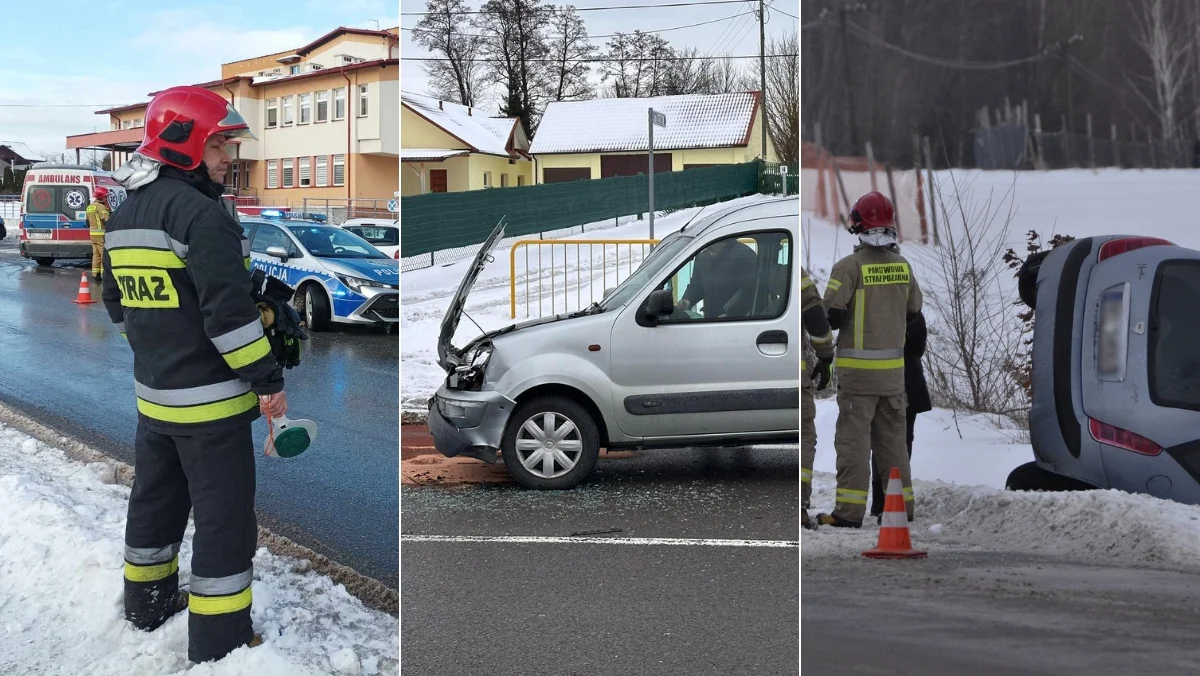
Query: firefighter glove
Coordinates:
[821,373]
[281,322]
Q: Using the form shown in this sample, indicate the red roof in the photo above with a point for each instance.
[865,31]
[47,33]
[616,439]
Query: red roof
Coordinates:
[342,30]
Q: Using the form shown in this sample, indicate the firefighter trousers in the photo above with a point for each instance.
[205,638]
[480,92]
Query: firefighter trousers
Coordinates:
[877,487]
[97,255]
[866,423]
[212,474]
[808,444]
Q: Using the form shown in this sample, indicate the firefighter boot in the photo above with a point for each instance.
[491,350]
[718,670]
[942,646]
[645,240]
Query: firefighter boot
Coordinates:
[836,521]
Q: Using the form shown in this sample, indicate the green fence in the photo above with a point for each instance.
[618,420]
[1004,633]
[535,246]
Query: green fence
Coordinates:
[770,179]
[440,221]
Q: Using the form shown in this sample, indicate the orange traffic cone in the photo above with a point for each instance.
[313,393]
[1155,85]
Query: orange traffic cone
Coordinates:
[85,292]
[894,542]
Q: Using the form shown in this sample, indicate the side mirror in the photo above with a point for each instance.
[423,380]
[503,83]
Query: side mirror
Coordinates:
[658,305]
[278,252]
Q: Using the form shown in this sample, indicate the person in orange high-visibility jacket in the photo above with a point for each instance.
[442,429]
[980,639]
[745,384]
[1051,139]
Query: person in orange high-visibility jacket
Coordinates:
[870,298]
[97,218]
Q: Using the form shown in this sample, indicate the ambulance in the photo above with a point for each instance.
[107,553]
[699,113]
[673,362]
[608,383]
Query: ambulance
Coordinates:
[53,219]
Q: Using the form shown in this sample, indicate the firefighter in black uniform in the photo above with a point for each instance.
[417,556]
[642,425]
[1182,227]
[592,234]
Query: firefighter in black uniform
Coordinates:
[177,286]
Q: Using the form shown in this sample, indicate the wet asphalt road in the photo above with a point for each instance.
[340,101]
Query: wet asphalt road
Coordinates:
[66,366]
[995,614]
[549,608]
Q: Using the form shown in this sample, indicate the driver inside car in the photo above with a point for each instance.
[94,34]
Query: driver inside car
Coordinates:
[723,278]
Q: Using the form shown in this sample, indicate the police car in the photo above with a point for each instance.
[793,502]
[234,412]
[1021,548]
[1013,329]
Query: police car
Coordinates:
[339,277]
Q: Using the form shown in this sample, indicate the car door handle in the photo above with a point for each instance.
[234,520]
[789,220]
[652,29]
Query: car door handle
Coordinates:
[773,337]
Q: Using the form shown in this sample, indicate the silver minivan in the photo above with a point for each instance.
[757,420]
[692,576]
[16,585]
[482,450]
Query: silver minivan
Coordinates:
[699,346]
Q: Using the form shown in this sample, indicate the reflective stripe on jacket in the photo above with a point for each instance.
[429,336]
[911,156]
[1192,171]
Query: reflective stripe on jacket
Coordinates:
[877,289]
[175,279]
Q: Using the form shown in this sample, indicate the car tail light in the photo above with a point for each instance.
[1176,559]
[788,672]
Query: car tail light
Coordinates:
[1116,247]
[396,255]
[1115,436]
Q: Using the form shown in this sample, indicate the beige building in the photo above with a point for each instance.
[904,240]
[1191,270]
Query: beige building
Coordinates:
[599,138]
[447,147]
[325,117]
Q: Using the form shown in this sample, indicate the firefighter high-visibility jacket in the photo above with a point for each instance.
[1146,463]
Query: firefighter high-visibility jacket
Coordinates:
[97,216]
[816,327]
[868,299]
[177,286]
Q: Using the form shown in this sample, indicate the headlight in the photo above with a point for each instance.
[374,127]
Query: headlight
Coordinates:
[357,284]
[477,357]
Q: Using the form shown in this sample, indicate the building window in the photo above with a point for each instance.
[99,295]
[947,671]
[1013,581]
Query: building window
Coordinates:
[289,173]
[323,106]
[339,170]
[294,70]
[272,113]
[272,173]
[339,104]
[137,123]
[126,124]
[487,179]
[364,101]
[232,176]
[305,108]
[322,171]
[289,111]
[305,172]
[520,180]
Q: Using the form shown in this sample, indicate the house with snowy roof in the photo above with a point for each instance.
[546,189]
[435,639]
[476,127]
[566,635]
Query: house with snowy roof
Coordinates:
[448,147]
[600,138]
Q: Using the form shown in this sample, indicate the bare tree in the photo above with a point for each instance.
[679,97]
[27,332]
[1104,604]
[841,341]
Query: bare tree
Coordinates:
[691,74]
[515,45]
[727,76]
[445,31]
[568,75]
[637,64]
[1165,37]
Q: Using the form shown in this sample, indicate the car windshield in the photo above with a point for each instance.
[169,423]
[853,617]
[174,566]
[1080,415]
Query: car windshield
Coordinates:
[326,242]
[379,235]
[1174,351]
[654,263]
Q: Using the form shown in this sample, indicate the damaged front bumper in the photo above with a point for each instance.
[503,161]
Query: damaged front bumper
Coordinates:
[469,423]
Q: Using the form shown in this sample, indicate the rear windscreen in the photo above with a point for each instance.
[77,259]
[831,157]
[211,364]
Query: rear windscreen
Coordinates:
[1174,359]
[377,235]
[56,199]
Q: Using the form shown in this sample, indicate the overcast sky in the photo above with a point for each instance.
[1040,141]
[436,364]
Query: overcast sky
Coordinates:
[735,36]
[115,52]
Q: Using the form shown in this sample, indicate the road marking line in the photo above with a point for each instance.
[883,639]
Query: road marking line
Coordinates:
[538,539]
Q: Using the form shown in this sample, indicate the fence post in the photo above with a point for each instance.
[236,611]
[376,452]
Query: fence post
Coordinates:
[892,190]
[1037,134]
[1116,145]
[1150,142]
[1137,152]
[933,204]
[1069,156]
[817,135]
[1091,143]
[871,166]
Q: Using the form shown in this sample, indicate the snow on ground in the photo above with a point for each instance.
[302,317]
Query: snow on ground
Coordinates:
[960,503]
[61,557]
[425,294]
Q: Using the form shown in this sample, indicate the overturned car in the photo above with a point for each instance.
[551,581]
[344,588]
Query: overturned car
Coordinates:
[1116,368]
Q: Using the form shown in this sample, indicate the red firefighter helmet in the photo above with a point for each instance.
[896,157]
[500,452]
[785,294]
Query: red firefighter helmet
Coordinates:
[180,120]
[872,210]
[101,193]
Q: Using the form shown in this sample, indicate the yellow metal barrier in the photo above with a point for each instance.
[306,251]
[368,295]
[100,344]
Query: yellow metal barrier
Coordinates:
[566,245]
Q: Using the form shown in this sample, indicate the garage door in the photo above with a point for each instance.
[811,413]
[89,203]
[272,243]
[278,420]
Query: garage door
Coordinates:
[563,174]
[632,165]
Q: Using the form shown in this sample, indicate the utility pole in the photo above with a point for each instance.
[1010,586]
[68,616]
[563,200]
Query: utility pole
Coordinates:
[762,73]
[849,83]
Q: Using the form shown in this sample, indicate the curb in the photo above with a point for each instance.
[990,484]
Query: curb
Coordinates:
[373,593]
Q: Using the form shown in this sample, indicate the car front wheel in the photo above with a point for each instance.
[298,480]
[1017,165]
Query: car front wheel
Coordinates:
[316,308]
[551,443]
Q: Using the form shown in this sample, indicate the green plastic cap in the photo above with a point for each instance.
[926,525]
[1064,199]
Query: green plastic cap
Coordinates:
[292,442]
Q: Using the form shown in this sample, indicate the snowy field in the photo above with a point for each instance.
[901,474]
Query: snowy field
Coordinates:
[61,556]
[581,275]
[960,463]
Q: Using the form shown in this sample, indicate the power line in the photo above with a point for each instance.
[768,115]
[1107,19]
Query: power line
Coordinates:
[601,9]
[949,63]
[613,35]
[608,60]
[776,9]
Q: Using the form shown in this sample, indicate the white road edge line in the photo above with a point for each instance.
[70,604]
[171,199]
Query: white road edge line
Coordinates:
[538,539]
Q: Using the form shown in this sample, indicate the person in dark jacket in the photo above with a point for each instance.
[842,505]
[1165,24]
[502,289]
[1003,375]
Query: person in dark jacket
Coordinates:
[176,284]
[723,277]
[917,393]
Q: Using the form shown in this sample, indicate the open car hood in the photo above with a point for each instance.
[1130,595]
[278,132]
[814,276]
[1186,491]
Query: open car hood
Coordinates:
[447,355]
